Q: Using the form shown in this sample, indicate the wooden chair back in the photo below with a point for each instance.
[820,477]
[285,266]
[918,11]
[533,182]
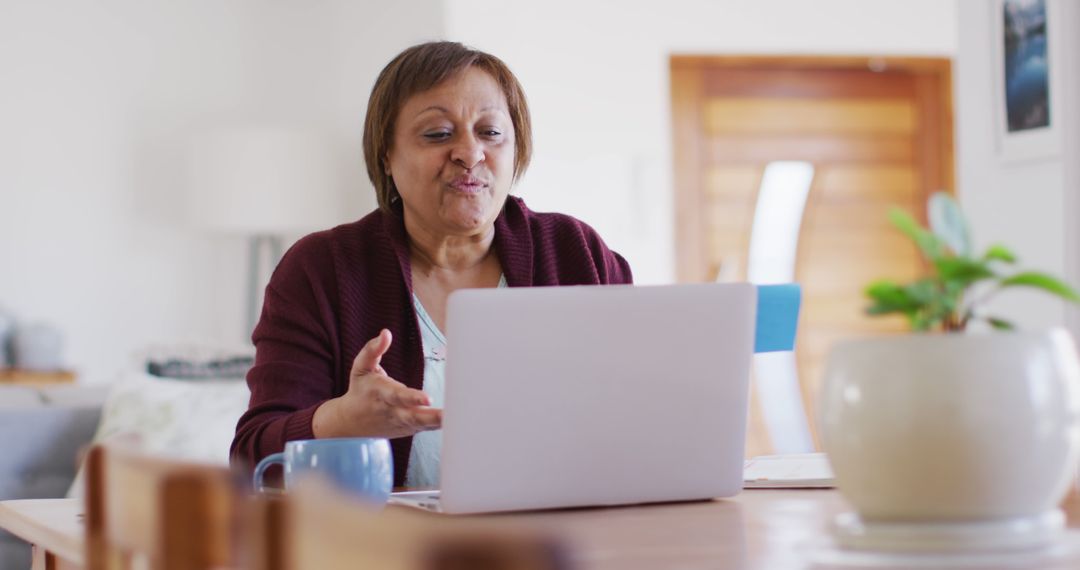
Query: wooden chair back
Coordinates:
[326,530]
[158,513]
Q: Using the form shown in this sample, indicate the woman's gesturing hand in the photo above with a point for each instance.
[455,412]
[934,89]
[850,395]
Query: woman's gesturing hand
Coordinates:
[375,405]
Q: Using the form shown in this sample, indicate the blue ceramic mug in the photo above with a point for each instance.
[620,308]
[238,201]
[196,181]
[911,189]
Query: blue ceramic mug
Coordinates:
[359,465]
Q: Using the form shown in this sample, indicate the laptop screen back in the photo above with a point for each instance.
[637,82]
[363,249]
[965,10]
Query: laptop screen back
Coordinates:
[575,396]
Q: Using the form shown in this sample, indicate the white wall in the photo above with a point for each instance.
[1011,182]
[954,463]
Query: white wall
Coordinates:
[97,103]
[99,99]
[1071,154]
[1029,206]
[597,77]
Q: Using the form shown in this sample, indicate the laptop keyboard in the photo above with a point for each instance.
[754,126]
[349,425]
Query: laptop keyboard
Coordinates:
[424,499]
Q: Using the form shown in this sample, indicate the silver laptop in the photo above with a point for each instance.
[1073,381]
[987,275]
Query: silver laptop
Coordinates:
[585,396]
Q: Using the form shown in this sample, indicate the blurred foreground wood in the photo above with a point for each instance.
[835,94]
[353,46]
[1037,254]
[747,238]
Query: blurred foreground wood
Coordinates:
[156,513]
[326,530]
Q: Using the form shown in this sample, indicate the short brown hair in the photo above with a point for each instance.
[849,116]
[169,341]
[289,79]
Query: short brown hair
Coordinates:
[416,70]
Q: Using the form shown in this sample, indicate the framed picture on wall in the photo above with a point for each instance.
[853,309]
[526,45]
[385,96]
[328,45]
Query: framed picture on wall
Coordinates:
[1027,61]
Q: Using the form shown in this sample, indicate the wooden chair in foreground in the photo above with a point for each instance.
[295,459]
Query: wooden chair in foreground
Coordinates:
[326,530]
[158,513]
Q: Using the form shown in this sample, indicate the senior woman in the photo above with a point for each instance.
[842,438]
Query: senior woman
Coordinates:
[350,340]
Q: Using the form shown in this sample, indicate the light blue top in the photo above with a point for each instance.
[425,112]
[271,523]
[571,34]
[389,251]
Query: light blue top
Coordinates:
[427,445]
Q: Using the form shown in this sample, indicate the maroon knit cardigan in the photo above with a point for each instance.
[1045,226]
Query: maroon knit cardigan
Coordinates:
[334,290]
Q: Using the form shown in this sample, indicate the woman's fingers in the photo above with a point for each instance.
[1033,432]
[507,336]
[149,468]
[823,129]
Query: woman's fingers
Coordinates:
[396,394]
[410,407]
[367,360]
[404,410]
[427,418]
[408,397]
[419,419]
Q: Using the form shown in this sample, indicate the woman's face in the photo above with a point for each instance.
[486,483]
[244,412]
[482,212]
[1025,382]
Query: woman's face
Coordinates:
[452,158]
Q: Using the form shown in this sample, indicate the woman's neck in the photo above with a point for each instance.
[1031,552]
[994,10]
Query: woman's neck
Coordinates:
[432,251]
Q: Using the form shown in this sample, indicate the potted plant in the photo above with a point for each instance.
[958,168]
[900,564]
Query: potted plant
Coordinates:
[951,438]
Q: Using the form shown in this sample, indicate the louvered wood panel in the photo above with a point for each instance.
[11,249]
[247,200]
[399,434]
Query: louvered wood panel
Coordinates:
[877,140]
[817,148]
[788,116]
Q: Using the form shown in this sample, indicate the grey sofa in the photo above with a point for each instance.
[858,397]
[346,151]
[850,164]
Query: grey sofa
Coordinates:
[42,432]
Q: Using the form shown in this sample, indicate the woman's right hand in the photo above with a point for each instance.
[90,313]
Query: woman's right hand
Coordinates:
[375,405]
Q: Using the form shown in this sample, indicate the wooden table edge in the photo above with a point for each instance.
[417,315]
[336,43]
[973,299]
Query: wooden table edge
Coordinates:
[15,520]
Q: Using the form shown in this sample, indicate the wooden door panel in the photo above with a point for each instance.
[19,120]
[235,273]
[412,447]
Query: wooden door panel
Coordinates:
[843,312]
[877,140]
[826,81]
[857,218]
[737,182]
[862,245]
[818,148]
[892,183]
[738,115]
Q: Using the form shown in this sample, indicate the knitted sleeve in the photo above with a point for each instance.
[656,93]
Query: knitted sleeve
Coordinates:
[610,268]
[295,353]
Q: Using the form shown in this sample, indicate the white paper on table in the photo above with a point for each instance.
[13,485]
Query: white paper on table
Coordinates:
[797,470]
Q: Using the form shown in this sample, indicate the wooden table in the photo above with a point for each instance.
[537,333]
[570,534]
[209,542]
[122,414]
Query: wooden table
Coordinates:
[53,526]
[758,529]
[766,529]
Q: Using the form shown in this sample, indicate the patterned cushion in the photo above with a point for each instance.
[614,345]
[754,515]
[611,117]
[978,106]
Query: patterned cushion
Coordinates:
[185,419]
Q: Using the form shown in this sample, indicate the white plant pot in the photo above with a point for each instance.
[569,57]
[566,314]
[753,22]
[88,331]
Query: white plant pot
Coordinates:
[961,431]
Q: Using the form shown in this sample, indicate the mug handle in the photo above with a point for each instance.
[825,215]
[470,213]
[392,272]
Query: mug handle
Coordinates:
[260,469]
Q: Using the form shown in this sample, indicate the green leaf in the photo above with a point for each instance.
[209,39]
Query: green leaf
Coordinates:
[923,323]
[879,309]
[883,288]
[927,242]
[940,300]
[963,270]
[998,252]
[955,289]
[888,297]
[924,291]
[1044,282]
[924,302]
[1000,324]
[948,223]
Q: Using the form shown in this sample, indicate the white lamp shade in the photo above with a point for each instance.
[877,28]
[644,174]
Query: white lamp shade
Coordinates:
[264,180]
